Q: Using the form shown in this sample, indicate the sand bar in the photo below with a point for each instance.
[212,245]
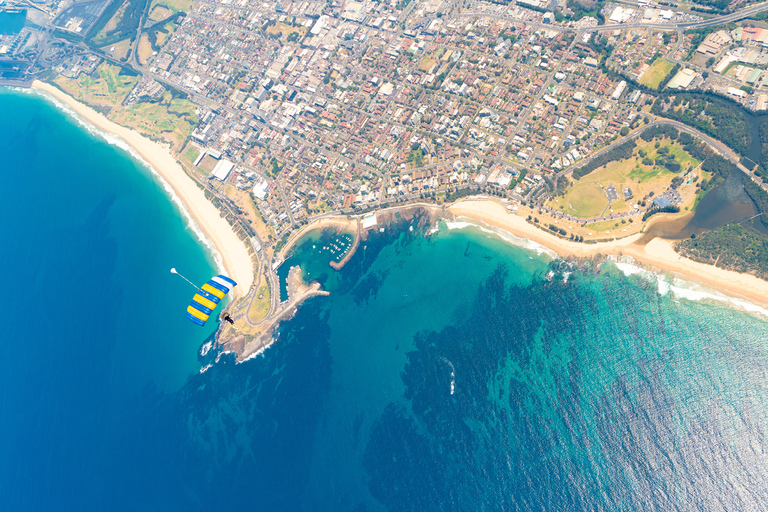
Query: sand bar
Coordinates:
[233,251]
[659,253]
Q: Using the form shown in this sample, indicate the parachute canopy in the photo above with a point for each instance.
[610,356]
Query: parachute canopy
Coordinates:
[208,297]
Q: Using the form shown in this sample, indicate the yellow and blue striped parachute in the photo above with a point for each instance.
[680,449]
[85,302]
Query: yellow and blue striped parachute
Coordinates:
[208,297]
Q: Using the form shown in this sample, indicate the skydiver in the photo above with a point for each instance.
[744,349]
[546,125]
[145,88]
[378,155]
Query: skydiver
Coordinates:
[225,316]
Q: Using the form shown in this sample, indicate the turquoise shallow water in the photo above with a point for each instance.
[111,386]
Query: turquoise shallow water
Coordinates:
[594,392]
[452,371]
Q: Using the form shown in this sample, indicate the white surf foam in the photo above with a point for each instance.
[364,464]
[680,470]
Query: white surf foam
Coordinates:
[508,237]
[114,140]
[218,357]
[682,289]
[453,374]
[256,354]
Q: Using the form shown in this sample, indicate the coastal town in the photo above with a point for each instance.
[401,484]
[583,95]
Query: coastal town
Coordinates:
[286,113]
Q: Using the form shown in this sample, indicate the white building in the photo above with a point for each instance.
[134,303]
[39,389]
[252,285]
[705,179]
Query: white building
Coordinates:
[260,190]
[619,89]
[222,169]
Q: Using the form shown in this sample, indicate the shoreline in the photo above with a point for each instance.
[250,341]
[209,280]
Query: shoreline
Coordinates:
[232,251]
[339,222]
[298,292]
[658,253]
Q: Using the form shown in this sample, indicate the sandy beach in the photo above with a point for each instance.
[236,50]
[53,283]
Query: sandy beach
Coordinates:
[659,253]
[233,251]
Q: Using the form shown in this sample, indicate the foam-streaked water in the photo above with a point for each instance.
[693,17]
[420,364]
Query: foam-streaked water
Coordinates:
[444,372]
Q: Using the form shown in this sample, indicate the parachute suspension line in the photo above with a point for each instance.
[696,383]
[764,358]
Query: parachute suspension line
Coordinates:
[173,271]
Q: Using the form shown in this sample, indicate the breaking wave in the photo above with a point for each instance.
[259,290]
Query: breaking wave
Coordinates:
[508,237]
[114,140]
[678,288]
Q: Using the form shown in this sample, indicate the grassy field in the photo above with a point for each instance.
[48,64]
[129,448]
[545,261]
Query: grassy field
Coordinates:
[190,155]
[118,50]
[426,63]
[244,200]
[584,200]
[285,30]
[158,13]
[259,308]
[318,206]
[587,198]
[612,226]
[145,49]
[105,93]
[657,72]
[207,164]
[165,33]
[170,120]
[111,24]
[173,5]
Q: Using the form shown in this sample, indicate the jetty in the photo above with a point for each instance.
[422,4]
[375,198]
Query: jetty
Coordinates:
[338,265]
[246,346]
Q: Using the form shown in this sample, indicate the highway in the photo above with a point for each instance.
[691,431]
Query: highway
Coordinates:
[716,20]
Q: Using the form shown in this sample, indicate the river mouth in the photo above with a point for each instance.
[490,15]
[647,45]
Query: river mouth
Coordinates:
[725,204]
[669,229]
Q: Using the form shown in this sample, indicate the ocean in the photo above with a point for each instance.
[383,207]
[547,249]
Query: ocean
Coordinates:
[450,368]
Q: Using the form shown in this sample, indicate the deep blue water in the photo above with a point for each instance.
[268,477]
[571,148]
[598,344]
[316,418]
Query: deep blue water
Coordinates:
[444,372]
[95,329]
